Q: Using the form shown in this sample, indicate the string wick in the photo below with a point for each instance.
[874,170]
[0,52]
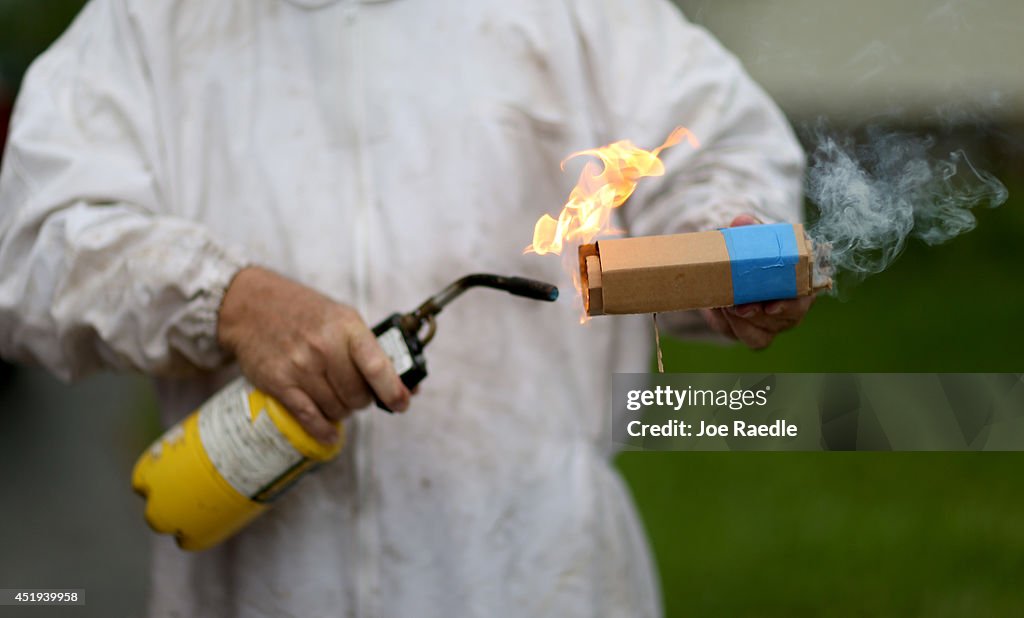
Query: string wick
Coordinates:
[657,343]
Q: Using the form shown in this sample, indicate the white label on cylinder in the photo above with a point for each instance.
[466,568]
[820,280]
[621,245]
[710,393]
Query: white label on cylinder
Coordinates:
[393,344]
[250,453]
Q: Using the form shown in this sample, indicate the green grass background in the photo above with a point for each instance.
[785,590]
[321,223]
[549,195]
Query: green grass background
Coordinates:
[858,534]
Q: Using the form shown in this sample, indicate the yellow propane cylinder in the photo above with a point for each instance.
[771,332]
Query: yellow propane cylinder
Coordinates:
[215,471]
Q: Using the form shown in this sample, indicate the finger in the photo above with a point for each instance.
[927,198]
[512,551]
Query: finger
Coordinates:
[717,322]
[746,311]
[772,325]
[342,376]
[757,314]
[306,371]
[323,395]
[783,315]
[794,308]
[348,384]
[351,388]
[774,316]
[308,414]
[744,220]
[754,337]
[377,370]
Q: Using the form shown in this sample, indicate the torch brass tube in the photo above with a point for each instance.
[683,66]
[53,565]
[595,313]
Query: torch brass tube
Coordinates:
[517,286]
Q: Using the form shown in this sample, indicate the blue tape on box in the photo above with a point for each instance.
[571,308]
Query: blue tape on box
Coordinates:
[763,259]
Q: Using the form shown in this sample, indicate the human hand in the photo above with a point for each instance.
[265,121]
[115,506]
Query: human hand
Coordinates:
[757,324]
[317,357]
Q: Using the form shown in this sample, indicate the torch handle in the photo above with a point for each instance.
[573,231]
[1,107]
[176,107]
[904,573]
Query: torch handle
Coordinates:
[399,338]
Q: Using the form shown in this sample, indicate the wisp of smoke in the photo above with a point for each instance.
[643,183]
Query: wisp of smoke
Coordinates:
[873,196]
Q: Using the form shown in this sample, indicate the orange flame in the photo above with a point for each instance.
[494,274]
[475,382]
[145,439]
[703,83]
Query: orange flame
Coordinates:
[600,189]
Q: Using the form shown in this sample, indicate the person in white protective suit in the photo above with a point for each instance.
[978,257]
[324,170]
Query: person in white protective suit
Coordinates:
[194,187]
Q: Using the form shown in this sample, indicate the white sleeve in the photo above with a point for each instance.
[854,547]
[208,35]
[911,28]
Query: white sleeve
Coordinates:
[654,71]
[93,272]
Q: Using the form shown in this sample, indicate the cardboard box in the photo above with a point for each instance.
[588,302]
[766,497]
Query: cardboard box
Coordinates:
[698,270]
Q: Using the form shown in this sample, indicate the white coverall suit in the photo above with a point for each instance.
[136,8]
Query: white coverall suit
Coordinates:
[376,151]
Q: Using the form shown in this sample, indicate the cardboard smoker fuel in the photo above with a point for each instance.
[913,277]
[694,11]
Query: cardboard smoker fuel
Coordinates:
[700,270]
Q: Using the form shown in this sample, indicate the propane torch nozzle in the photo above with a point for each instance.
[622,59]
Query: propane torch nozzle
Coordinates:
[399,333]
